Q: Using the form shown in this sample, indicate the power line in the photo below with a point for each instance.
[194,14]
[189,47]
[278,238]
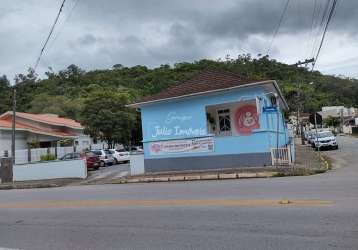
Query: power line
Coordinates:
[325,31]
[63,24]
[320,26]
[278,26]
[312,27]
[49,35]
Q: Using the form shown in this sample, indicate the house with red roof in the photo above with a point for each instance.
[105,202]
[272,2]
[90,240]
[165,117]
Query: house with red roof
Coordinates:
[44,130]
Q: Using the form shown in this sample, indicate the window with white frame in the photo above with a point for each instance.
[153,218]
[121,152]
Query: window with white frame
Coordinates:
[224,122]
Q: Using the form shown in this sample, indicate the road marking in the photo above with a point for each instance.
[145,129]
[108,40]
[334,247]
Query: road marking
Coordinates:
[158,203]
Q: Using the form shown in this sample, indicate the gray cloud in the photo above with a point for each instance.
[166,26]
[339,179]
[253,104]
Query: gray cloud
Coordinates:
[100,34]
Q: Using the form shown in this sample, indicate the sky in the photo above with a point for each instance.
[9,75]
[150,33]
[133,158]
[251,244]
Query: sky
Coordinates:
[98,34]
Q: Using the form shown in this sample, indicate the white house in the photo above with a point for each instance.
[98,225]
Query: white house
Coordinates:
[42,130]
[338,111]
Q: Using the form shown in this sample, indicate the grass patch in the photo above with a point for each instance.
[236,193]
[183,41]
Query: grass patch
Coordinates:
[327,161]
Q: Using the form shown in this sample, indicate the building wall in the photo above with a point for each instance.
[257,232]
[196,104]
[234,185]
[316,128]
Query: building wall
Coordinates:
[337,111]
[187,119]
[5,140]
[50,170]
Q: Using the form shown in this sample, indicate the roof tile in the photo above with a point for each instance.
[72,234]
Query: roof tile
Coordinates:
[204,81]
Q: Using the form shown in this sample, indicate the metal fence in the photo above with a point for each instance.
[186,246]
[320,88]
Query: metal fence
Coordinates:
[281,156]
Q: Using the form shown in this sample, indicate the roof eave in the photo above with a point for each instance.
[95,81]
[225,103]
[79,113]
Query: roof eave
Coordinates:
[40,132]
[9,113]
[140,104]
[281,95]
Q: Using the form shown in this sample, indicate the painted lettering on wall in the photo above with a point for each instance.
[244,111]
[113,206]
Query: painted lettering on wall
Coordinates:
[177,125]
[174,117]
[177,131]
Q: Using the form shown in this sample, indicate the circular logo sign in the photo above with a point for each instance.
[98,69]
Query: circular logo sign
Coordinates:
[246,119]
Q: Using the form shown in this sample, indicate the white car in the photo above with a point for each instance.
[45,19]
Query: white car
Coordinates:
[120,155]
[325,139]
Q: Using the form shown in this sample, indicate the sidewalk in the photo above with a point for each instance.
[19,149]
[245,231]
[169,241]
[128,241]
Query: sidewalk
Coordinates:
[308,158]
[36,184]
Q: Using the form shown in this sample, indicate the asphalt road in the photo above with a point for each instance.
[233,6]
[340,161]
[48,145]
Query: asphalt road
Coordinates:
[233,214]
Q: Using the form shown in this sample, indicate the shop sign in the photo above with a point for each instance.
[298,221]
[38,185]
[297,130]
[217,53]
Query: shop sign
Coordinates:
[246,118]
[270,109]
[196,145]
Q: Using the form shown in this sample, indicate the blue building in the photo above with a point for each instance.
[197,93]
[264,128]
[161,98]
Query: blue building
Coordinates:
[215,120]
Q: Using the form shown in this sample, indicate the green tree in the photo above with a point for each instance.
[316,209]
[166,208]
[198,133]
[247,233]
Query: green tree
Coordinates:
[25,86]
[106,117]
[5,94]
[60,105]
[331,121]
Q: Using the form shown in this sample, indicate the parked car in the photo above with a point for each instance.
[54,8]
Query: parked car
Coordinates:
[92,160]
[325,139]
[311,138]
[307,134]
[136,150]
[120,155]
[106,158]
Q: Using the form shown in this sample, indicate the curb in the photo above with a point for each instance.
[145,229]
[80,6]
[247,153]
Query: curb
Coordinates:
[10,186]
[218,176]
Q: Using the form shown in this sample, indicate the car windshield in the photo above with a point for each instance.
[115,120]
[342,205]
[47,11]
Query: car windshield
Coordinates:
[90,154]
[97,152]
[325,134]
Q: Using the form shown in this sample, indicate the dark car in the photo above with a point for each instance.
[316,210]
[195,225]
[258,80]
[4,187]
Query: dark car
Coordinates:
[92,160]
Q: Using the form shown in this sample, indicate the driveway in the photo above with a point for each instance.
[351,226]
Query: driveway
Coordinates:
[105,174]
[232,214]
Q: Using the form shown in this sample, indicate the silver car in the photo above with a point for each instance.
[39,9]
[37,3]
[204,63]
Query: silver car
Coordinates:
[106,158]
[325,139]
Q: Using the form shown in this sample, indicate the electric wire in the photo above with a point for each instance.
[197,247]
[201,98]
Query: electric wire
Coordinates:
[331,12]
[320,26]
[278,26]
[49,35]
[63,24]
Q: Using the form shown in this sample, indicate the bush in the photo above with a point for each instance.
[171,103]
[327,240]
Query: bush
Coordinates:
[48,157]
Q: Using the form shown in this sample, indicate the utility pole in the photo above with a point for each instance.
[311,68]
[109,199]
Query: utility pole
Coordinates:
[299,129]
[342,120]
[315,125]
[13,124]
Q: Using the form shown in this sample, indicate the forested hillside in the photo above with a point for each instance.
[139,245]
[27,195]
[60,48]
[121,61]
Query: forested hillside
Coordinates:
[94,97]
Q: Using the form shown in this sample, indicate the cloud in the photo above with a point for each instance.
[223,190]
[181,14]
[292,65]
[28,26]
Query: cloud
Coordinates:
[99,34]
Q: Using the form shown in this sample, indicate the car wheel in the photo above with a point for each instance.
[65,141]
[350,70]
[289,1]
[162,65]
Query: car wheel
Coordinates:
[336,147]
[96,168]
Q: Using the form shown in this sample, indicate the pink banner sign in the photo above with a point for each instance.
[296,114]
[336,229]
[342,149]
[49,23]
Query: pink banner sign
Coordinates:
[182,146]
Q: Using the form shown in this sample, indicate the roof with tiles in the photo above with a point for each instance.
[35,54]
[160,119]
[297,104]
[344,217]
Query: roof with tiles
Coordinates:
[50,119]
[205,81]
[7,124]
